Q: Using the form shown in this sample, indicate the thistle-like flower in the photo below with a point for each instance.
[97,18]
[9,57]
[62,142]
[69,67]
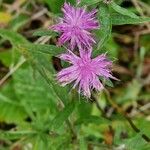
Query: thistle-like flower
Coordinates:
[75,27]
[85,71]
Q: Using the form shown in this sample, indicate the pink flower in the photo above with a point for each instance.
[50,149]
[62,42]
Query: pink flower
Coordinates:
[75,27]
[85,71]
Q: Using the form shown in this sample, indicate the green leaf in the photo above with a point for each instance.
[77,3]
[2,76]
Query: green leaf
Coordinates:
[89,2]
[130,93]
[44,65]
[136,143]
[13,135]
[62,116]
[83,143]
[55,5]
[118,19]
[112,48]
[25,95]
[40,142]
[106,26]
[143,125]
[25,82]
[62,142]
[5,57]
[20,20]
[45,32]
[123,11]
[11,111]
[92,119]
[84,108]
[15,38]
[109,83]
[44,48]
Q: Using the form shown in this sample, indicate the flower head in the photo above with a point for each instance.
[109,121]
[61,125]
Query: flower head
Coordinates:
[75,27]
[85,71]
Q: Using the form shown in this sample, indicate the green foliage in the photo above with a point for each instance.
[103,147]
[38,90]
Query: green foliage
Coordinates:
[130,93]
[136,143]
[106,26]
[39,114]
[18,22]
[122,11]
[11,111]
[13,37]
[89,2]
[45,49]
[55,5]
[5,57]
[62,116]
[118,19]
[44,32]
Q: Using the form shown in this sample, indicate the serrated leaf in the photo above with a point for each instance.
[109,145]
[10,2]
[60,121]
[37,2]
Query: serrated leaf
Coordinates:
[122,10]
[10,110]
[130,93]
[40,143]
[84,108]
[136,143]
[61,142]
[106,26]
[24,83]
[45,68]
[89,2]
[15,38]
[62,116]
[92,119]
[55,5]
[118,19]
[13,135]
[38,60]
[17,22]
[44,32]
[45,48]
[25,95]
[108,82]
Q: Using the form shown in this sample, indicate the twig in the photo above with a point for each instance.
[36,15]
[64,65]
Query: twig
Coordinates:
[141,109]
[146,81]
[39,14]
[144,5]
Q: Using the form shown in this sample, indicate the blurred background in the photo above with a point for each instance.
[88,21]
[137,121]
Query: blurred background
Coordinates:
[27,102]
